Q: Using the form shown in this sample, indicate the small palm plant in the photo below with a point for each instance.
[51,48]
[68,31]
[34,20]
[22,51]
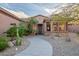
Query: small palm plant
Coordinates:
[33,23]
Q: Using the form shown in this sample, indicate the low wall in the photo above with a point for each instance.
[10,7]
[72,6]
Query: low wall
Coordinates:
[73,28]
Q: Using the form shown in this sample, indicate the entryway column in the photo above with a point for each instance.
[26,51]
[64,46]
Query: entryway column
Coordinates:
[44,27]
[51,26]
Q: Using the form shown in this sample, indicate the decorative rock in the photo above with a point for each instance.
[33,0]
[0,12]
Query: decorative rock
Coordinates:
[10,44]
[14,42]
[16,49]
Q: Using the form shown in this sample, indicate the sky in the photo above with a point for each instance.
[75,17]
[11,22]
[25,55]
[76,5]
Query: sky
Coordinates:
[33,9]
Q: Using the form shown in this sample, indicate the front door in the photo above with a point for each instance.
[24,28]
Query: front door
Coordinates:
[40,29]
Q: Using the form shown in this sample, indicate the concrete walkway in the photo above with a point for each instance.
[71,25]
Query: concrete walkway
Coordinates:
[37,47]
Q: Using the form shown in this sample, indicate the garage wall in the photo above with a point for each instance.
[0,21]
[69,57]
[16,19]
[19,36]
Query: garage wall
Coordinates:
[5,21]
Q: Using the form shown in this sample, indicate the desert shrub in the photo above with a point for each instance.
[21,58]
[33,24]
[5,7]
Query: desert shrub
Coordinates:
[27,32]
[22,29]
[29,28]
[3,43]
[12,32]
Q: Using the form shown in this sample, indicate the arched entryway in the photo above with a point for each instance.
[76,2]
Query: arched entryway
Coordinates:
[40,29]
[44,27]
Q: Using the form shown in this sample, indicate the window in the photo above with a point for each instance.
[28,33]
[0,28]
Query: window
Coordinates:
[13,24]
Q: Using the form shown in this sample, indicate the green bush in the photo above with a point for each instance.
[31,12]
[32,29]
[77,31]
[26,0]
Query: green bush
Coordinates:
[23,29]
[3,43]
[28,30]
[12,32]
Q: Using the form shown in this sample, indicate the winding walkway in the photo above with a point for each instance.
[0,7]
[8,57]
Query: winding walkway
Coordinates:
[37,47]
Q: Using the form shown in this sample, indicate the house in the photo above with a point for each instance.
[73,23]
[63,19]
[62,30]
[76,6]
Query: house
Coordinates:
[46,26]
[43,25]
[6,19]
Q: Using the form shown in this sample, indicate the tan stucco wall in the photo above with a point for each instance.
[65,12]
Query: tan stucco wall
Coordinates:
[40,19]
[5,22]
